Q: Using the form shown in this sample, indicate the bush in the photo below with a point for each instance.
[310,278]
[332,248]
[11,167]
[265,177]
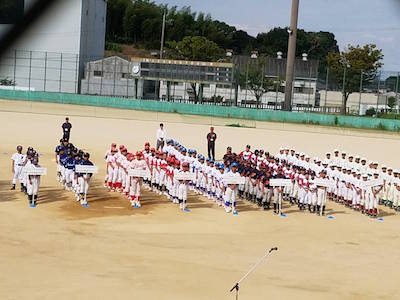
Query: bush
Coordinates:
[370,112]
[336,121]
[113,47]
[392,101]
[381,126]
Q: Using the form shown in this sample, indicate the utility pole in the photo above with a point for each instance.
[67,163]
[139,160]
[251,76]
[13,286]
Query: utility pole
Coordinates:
[291,55]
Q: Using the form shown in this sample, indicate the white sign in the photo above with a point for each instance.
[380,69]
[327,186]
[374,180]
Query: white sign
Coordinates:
[139,173]
[229,179]
[324,183]
[86,169]
[371,183]
[36,171]
[185,176]
[280,182]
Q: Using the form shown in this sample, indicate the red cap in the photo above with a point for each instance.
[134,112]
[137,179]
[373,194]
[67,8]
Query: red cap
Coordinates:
[139,153]
[185,164]
[147,144]
[177,163]
[113,145]
[121,147]
[153,149]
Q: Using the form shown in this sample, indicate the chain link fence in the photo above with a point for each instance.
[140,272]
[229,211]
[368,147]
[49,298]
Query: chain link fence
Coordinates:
[256,83]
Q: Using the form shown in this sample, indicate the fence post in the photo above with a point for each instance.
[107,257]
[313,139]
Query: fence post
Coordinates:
[30,70]
[45,71]
[101,78]
[397,92]
[15,67]
[61,62]
[326,87]
[115,71]
[88,78]
[247,79]
[377,98]
[76,73]
[361,87]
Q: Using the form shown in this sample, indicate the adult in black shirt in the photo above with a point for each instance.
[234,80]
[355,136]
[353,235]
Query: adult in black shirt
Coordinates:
[211,137]
[66,127]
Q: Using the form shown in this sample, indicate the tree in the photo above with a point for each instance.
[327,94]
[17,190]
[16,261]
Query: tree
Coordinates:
[195,48]
[366,60]
[115,13]
[392,101]
[254,79]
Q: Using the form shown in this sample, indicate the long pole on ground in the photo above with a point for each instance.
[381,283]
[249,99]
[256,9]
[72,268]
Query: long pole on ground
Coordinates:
[291,55]
[377,98]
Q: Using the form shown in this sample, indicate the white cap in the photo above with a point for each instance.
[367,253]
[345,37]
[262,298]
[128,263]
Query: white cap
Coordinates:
[306,157]
[363,159]
[357,157]
[336,150]
[324,162]
[327,153]
[365,175]
[384,167]
[301,154]
[344,152]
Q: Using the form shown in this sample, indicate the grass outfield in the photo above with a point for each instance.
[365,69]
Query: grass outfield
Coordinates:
[111,251]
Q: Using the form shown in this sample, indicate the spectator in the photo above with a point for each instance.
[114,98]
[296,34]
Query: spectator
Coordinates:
[161,136]
[66,127]
[211,137]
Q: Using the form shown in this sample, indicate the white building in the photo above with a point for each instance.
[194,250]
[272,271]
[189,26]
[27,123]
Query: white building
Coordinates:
[51,54]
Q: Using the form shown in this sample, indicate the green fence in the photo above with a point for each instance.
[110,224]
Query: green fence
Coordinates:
[205,110]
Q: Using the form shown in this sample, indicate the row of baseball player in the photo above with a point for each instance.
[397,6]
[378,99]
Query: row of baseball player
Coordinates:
[67,158]
[20,164]
[348,179]
[162,177]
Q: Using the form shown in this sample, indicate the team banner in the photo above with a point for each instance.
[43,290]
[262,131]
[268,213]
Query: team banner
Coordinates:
[86,169]
[280,182]
[185,176]
[35,171]
[229,179]
[139,173]
[372,183]
[324,183]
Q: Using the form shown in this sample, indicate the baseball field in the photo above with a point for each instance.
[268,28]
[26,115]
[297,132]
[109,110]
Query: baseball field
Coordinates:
[60,250]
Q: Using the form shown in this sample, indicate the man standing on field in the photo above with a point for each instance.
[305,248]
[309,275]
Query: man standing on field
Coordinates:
[161,136]
[211,137]
[66,127]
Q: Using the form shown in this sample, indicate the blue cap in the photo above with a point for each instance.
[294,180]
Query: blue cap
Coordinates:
[211,161]
[222,167]
[234,165]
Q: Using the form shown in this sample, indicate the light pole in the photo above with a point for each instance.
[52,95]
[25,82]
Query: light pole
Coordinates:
[291,55]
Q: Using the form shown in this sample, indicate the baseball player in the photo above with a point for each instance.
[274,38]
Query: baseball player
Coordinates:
[33,183]
[230,191]
[183,187]
[137,182]
[17,165]
[84,179]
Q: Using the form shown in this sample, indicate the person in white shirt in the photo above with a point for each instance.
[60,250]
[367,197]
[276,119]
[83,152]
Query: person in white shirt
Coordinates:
[17,165]
[161,136]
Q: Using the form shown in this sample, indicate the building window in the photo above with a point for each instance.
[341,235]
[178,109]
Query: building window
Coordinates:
[303,90]
[126,75]
[98,73]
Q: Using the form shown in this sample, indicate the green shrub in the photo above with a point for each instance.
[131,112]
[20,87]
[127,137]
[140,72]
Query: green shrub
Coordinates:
[381,126]
[370,112]
[336,121]
[113,47]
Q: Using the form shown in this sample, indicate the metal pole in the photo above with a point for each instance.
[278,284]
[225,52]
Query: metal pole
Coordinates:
[30,70]
[61,62]
[88,78]
[45,71]
[397,92]
[291,55]
[262,84]
[247,79]
[278,83]
[15,67]
[309,85]
[76,73]
[115,71]
[236,286]
[101,78]
[359,100]
[344,89]
[326,86]
[377,98]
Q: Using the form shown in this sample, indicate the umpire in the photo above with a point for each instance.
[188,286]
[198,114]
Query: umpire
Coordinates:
[211,137]
[66,127]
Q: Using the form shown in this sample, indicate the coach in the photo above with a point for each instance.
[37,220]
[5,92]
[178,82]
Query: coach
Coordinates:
[161,136]
[211,137]
[66,127]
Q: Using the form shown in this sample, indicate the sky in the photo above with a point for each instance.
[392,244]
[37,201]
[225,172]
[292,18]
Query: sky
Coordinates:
[355,22]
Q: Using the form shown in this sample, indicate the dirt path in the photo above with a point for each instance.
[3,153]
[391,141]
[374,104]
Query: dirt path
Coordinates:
[62,251]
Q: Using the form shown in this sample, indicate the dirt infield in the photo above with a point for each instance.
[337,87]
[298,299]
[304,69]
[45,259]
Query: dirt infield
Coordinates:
[110,251]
